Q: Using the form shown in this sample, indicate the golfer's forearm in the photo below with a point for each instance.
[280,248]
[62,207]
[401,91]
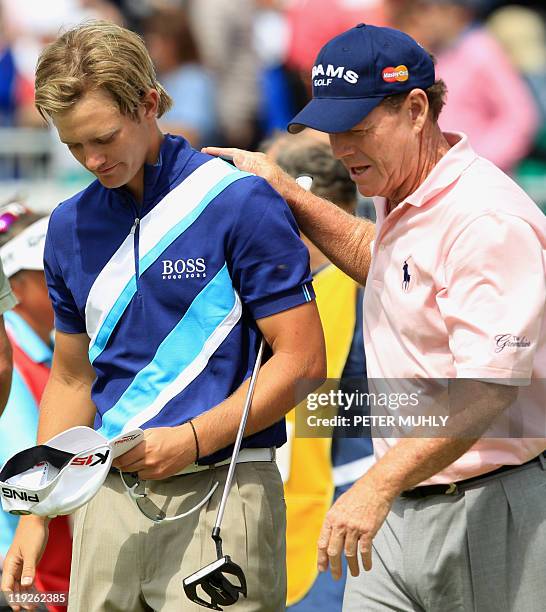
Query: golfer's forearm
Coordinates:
[343,238]
[413,460]
[65,403]
[273,397]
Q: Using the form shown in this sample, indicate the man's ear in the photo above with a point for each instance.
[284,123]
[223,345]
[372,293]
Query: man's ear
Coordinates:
[417,108]
[150,102]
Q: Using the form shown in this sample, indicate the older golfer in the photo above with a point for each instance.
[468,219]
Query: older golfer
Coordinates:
[455,289]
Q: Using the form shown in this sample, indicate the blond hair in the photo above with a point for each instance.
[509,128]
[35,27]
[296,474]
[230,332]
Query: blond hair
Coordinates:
[96,55]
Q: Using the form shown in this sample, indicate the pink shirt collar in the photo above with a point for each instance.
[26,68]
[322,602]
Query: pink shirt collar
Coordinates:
[445,172]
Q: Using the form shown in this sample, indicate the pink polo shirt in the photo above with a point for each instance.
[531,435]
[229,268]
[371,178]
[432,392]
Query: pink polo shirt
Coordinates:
[473,245]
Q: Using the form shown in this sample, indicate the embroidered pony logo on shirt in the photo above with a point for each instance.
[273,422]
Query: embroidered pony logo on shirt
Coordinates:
[406,281]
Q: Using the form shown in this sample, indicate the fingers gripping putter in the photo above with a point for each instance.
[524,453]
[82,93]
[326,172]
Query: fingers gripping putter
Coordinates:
[216,579]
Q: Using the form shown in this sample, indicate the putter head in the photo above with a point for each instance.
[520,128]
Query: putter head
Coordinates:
[212,580]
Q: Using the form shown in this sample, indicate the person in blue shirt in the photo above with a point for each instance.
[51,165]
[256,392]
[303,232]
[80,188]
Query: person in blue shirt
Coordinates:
[170,41]
[163,275]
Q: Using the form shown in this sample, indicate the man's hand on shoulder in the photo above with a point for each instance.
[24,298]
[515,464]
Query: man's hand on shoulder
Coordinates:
[164,452]
[260,165]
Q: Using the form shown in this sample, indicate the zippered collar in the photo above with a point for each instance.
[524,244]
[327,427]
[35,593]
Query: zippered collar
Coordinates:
[159,178]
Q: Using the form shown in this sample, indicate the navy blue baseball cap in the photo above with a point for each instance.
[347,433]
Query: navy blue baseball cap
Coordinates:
[354,71]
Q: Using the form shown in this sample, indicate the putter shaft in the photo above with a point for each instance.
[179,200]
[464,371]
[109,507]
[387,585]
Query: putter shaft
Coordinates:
[237,445]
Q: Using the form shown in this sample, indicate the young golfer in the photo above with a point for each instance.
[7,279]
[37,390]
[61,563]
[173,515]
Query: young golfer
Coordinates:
[163,275]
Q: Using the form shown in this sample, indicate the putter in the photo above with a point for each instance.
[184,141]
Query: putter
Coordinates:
[216,578]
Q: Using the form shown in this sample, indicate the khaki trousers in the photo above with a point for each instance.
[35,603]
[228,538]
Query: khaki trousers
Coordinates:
[123,562]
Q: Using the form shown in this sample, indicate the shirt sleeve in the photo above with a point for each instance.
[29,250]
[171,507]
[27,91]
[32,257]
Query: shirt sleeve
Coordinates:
[7,299]
[494,299]
[269,264]
[67,316]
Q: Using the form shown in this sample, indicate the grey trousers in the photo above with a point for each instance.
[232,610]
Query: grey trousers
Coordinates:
[482,550]
[123,562]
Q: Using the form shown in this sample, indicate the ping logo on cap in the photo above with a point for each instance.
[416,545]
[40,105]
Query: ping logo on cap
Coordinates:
[16,494]
[391,74]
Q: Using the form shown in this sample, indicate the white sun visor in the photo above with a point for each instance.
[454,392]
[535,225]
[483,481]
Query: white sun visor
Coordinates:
[63,474]
[26,250]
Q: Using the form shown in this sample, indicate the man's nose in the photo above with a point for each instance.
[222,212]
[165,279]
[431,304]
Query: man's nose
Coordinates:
[340,146]
[94,160]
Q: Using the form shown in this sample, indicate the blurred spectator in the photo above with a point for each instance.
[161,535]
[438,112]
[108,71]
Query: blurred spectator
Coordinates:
[317,470]
[313,23]
[223,31]
[8,81]
[173,50]
[29,327]
[16,92]
[522,33]
[487,98]
[33,23]
[281,91]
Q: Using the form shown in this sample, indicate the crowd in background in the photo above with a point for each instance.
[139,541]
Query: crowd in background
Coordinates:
[240,70]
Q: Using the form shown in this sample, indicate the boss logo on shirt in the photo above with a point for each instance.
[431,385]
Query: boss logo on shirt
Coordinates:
[503,341]
[184,268]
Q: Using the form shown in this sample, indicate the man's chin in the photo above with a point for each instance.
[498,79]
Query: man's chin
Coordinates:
[366,191]
[111,182]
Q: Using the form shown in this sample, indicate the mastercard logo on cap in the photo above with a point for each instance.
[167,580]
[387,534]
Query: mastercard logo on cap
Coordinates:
[391,74]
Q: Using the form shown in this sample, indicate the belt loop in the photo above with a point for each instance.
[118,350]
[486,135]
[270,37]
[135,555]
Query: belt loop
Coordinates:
[542,459]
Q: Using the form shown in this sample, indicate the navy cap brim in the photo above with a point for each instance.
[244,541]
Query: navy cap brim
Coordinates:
[333,115]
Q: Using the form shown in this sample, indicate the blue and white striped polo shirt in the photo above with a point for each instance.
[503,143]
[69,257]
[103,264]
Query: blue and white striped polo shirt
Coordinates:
[169,294]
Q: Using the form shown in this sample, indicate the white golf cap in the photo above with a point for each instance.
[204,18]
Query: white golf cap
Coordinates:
[26,250]
[63,474]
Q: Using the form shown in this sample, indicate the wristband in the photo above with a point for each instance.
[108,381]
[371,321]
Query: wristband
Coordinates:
[196,441]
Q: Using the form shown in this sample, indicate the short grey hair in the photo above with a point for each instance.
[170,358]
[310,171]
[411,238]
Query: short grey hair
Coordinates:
[299,155]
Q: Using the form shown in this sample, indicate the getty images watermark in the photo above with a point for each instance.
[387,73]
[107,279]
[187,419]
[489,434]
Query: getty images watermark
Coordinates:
[396,408]
[347,415]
